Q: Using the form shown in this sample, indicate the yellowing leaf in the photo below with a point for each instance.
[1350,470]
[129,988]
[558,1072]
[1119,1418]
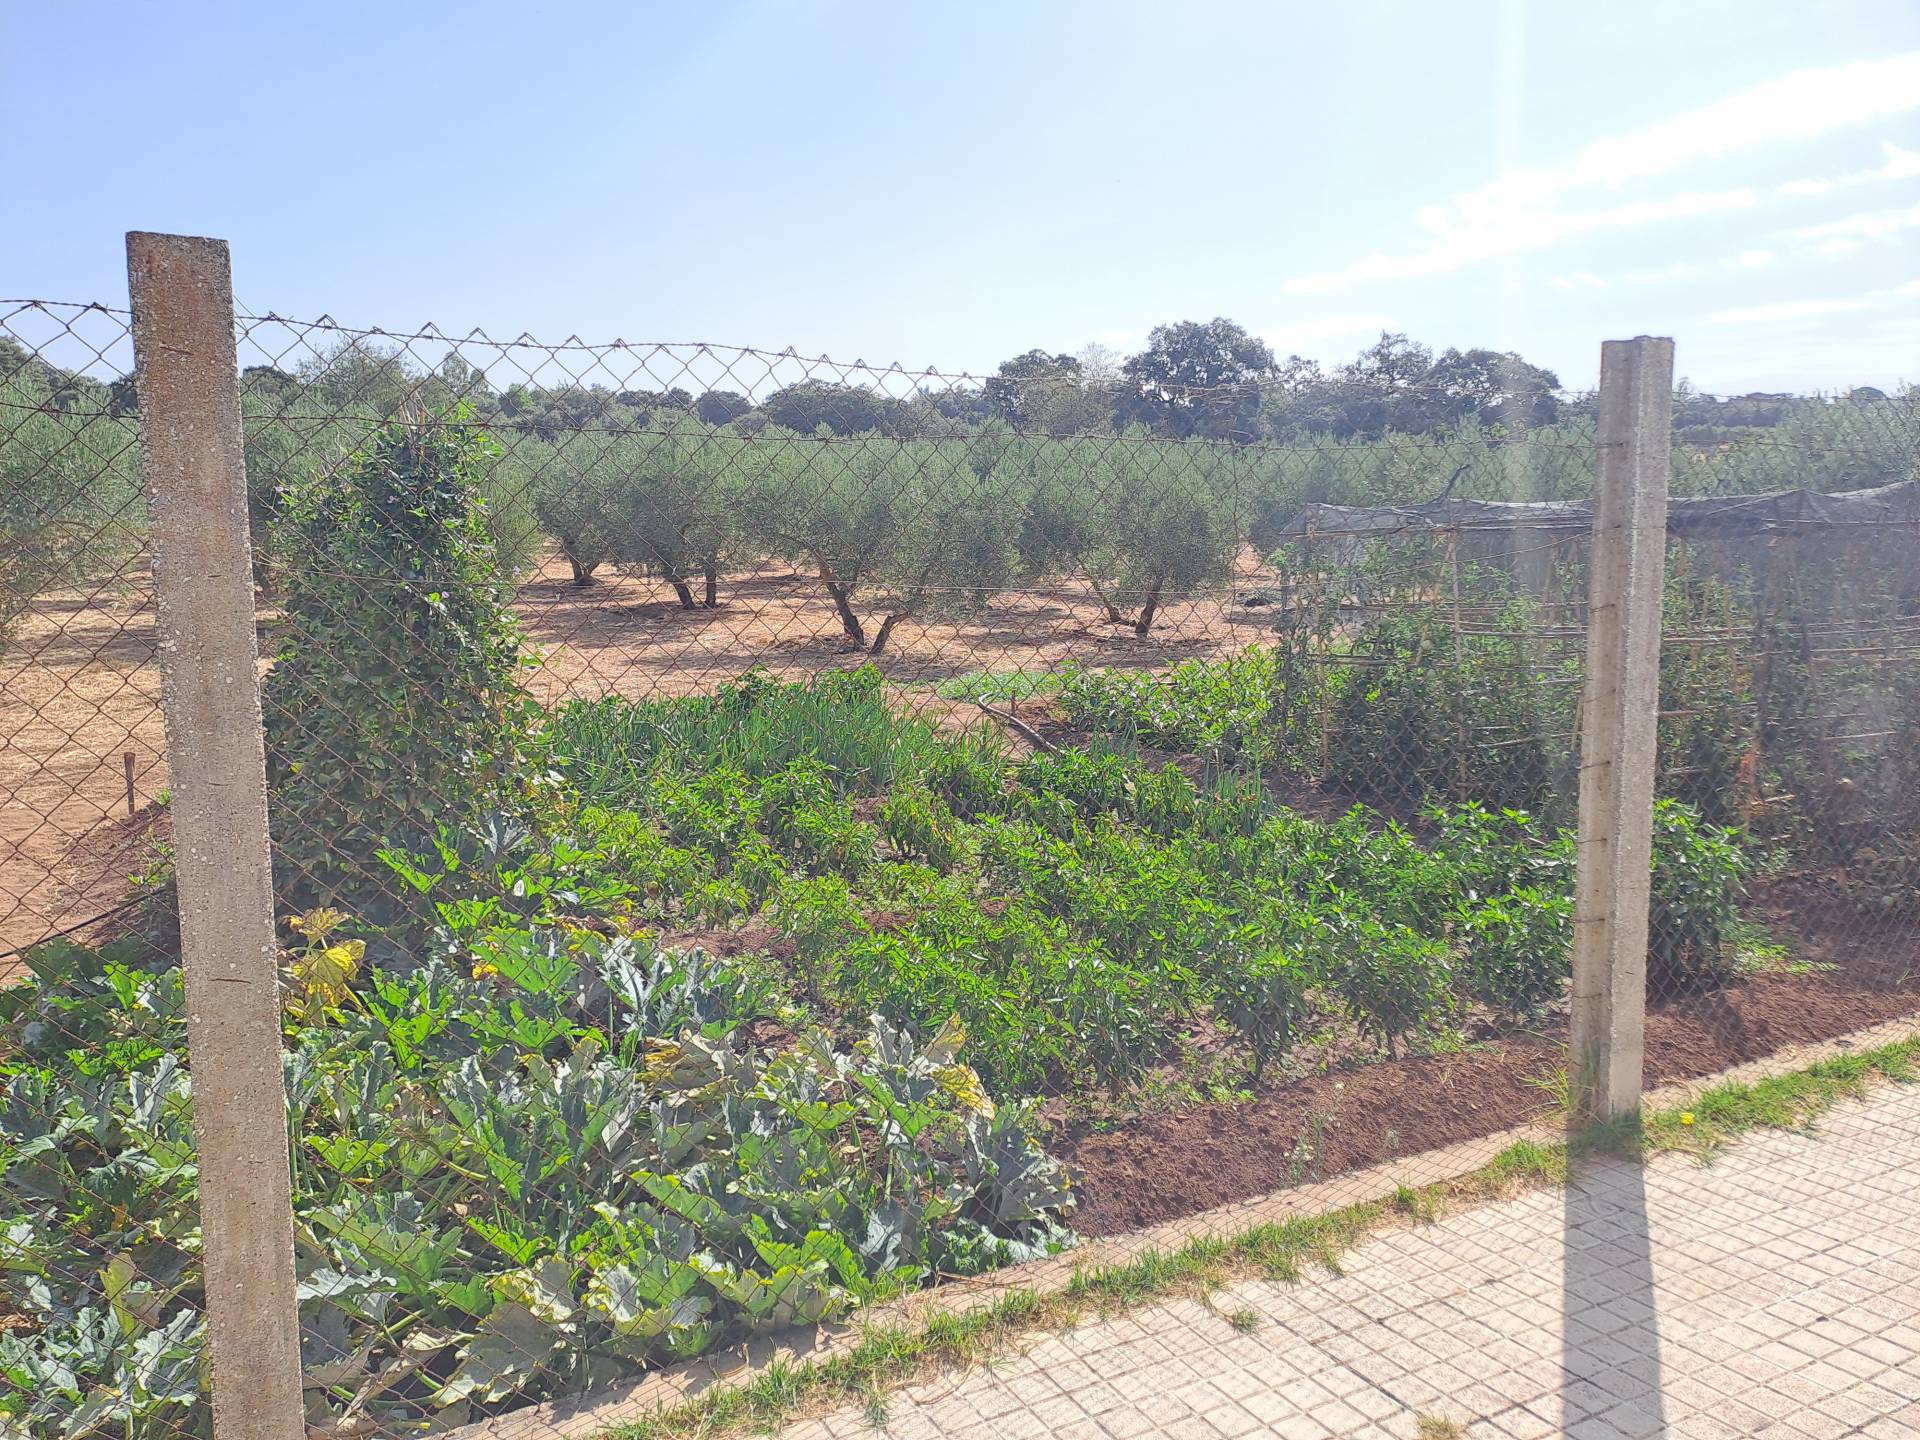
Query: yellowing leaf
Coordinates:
[317,924]
[325,972]
[964,1086]
[945,1046]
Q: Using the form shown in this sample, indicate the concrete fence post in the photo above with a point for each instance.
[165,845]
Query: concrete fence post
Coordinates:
[1619,718]
[188,385]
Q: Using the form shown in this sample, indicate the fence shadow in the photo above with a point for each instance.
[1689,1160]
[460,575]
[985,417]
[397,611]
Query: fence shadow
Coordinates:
[1610,1337]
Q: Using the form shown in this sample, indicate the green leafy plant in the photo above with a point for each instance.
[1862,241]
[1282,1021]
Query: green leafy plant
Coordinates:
[1265,1000]
[918,822]
[1517,948]
[1699,875]
[509,1184]
[1197,705]
[1393,980]
[393,706]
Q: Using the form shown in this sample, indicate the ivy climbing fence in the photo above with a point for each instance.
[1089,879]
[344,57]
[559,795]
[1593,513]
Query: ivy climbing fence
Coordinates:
[722,838]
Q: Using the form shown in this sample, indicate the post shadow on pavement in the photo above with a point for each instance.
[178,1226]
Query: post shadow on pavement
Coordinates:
[1610,1347]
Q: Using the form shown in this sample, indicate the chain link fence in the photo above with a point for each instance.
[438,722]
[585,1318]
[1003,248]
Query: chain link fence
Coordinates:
[754,836]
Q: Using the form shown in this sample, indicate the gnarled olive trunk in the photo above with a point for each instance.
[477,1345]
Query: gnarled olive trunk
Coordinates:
[842,594]
[1145,622]
[886,629]
[582,573]
[1114,617]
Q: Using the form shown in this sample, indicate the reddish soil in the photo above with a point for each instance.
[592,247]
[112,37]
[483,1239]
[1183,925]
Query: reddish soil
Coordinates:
[78,691]
[753,938]
[1165,1166]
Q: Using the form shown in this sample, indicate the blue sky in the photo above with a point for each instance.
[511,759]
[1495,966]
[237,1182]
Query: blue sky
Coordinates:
[950,185]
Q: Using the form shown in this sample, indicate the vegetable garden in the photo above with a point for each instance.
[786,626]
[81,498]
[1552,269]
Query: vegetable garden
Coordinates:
[623,1023]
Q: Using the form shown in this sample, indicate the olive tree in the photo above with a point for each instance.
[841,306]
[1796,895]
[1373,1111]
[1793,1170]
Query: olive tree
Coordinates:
[908,528]
[1162,522]
[71,502]
[674,512]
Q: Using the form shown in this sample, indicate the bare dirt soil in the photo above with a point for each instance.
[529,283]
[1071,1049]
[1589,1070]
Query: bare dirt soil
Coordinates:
[78,691]
[79,688]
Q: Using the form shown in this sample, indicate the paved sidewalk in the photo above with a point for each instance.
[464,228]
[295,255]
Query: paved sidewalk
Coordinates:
[1774,1293]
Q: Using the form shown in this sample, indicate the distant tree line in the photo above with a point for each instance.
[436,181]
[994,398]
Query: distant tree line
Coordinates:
[1141,478]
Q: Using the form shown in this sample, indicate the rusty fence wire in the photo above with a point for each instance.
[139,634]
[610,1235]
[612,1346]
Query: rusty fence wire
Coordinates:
[755,836]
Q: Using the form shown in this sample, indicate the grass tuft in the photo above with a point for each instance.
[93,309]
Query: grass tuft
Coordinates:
[1780,1102]
[998,686]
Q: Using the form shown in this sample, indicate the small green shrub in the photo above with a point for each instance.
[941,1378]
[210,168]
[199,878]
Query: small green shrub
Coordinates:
[971,774]
[1699,875]
[712,809]
[822,918]
[1491,852]
[918,822]
[755,866]
[1517,945]
[809,825]
[1199,705]
[1059,791]
[1264,999]
[393,707]
[1393,980]
[1381,869]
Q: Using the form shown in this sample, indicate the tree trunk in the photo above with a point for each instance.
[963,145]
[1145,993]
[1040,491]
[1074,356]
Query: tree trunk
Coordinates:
[842,602]
[849,622]
[681,589]
[886,629]
[711,569]
[1145,622]
[1114,617]
[582,574]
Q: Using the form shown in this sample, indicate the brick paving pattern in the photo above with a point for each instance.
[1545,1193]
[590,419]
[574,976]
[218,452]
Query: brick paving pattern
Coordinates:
[1772,1293]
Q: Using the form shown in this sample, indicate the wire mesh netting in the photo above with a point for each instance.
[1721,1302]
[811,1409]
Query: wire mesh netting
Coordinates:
[755,836]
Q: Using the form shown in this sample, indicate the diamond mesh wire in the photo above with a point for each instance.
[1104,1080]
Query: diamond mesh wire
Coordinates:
[702,776]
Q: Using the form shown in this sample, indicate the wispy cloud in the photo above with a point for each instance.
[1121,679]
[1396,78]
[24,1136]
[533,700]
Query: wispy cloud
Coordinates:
[1677,272]
[1848,233]
[1816,309]
[1897,163]
[1524,209]
[1518,232]
[1830,240]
